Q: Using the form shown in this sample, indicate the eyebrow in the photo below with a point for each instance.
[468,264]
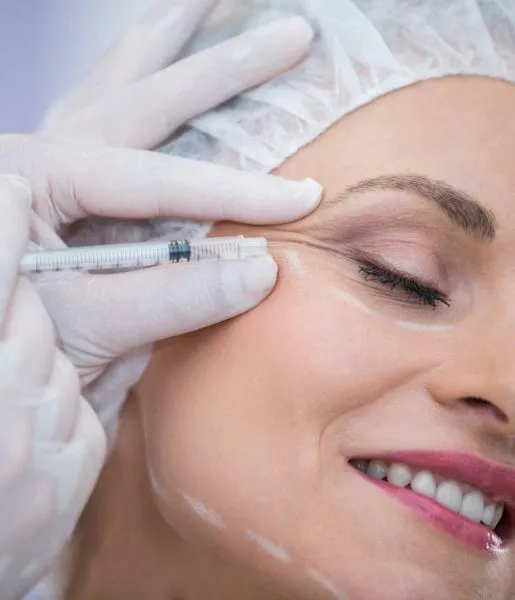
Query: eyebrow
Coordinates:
[461,208]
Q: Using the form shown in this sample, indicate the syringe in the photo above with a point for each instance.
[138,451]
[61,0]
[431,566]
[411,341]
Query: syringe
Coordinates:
[144,254]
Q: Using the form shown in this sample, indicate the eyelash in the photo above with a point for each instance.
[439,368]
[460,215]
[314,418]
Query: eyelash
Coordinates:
[417,291]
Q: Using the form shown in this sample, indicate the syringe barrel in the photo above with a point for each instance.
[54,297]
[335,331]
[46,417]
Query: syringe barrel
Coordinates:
[140,255]
[93,258]
[228,248]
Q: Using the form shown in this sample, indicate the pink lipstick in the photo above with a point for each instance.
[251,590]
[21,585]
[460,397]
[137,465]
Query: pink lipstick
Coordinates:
[495,481]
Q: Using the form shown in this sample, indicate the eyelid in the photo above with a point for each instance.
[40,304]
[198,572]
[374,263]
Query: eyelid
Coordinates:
[421,249]
[403,271]
[409,260]
[395,226]
[425,268]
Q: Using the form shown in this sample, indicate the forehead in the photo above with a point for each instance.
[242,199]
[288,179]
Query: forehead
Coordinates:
[460,130]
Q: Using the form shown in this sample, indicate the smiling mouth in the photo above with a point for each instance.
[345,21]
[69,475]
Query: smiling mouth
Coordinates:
[470,513]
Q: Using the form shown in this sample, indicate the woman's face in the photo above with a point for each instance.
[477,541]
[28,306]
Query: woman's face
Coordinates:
[390,331]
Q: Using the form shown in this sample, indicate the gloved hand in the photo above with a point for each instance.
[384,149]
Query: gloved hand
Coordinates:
[92,158]
[52,446]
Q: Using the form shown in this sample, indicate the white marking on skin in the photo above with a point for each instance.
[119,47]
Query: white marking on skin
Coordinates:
[424,327]
[269,547]
[354,302]
[325,583]
[294,263]
[205,513]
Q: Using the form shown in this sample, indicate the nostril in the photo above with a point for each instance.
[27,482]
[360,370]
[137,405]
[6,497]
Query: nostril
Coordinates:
[486,406]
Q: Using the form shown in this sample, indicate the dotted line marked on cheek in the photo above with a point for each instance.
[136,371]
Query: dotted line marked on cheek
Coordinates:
[326,584]
[266,546]
[269,548]
[204,512]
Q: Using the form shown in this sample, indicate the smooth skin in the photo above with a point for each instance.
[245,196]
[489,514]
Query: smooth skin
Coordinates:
[255,418]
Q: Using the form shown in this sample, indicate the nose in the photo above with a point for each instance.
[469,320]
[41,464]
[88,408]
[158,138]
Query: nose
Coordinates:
[477,382]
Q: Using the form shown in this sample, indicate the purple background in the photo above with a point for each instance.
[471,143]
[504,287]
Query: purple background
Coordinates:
[47,46]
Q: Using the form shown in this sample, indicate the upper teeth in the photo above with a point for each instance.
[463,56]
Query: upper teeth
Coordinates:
[459,497]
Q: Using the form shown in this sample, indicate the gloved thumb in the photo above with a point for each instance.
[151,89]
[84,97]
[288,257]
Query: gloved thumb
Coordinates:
[117,313]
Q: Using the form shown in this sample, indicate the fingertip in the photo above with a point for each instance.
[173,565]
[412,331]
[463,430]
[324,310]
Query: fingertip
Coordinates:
[310,194]
[294,200]
[260,274]
[166,15]
[260,199]
[249,280]
[295,32]
[301,28]
[279,46]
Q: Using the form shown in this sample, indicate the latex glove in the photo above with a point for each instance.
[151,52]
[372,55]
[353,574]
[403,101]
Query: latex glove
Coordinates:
[129,105]
[51,443]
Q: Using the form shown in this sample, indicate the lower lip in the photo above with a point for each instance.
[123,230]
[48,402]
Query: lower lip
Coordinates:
[478,536]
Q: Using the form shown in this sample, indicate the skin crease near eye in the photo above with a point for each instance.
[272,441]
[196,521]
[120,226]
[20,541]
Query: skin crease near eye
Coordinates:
[390,330]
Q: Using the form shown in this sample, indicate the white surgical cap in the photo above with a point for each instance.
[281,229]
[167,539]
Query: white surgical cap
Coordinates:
[363,49]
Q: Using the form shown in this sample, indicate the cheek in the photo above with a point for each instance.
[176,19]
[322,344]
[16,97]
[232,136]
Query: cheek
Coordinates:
[249,405]
[243,427]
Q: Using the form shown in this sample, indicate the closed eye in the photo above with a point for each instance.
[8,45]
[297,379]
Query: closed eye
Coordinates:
[405,285]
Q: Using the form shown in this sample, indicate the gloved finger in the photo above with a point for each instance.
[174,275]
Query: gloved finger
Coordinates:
[42,235]
[26,497]
[71,470]
[55,411]
[37,376]
[25,518]
[134,184]
[167,301]
[75,465]
[34,560]
[25,513]
[26,365]
[170,98]
[15,202]
[15,443]
[149,46]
